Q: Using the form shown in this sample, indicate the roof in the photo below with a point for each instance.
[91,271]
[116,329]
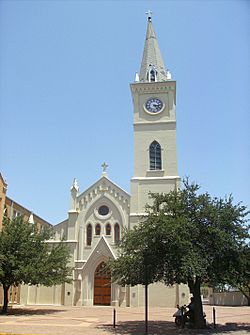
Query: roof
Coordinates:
[3,180]
[25,210]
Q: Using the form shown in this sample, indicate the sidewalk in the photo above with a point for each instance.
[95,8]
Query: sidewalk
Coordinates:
[58,320]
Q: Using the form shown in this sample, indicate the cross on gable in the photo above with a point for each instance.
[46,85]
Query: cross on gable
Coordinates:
[104,167]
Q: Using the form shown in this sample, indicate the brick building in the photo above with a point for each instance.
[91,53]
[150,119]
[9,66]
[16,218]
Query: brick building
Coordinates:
[12,209]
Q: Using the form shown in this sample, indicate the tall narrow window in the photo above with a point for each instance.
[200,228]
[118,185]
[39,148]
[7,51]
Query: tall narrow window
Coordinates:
[117,233]
[108,229]
[89,234]
[98,229]
[155,156]
[152,73]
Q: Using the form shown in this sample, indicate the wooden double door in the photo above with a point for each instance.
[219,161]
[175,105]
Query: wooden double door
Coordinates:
[102,286]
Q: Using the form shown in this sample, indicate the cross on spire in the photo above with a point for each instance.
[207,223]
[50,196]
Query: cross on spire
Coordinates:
[149,14]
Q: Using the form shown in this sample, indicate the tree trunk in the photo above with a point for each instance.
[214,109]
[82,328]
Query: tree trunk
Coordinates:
[195,289]
[247,295]
[5,299]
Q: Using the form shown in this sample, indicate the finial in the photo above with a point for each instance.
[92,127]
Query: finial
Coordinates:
[149,14]
[31,218]
[74,194]
[137,77]
[169,76]
[104,168]
[75,185]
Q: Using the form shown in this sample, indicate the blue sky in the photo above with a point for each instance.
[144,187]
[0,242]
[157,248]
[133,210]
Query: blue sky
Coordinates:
[58,56]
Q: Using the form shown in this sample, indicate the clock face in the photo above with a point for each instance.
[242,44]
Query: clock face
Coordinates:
[154,105]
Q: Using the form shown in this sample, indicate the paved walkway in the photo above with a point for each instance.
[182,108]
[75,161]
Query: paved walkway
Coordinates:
[129,321]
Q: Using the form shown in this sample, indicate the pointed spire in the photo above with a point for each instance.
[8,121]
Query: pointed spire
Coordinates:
[74,193]
[75,186]
[152,66]
[137,78]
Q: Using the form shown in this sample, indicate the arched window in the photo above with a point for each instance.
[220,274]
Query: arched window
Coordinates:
[5,212]
[89,234]
[155,156]
[151,73]
[117,233]
[98,229]
[108,229]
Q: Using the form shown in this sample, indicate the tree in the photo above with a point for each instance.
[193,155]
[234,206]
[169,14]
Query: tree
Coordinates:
[188,238]
[241,279]
[26,257]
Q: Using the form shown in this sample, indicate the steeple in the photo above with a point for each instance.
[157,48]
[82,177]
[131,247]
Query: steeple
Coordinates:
[154,123]
[74,193]
[152,66]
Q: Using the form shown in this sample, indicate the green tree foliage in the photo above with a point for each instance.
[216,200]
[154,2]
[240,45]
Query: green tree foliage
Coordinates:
[27,258]
[241,279]
[187,237]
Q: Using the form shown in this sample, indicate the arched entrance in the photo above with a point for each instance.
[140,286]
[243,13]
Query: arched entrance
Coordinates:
[102,286]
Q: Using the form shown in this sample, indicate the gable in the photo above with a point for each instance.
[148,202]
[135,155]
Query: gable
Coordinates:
[102,252]
[103,188]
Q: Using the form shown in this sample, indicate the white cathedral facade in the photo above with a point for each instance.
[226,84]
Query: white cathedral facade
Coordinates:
[98,215]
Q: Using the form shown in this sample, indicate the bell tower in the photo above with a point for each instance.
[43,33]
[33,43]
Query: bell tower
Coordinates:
[154,101]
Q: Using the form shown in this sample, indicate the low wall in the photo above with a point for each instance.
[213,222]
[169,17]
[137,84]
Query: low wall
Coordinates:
[228,299]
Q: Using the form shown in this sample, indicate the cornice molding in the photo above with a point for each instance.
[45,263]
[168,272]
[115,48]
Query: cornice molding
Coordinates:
[157,178]
[153,87]
[153,122]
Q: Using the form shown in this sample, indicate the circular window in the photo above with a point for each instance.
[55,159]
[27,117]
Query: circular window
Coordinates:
[103,210]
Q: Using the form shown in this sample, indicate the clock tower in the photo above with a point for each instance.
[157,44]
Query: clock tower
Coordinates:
[154,101]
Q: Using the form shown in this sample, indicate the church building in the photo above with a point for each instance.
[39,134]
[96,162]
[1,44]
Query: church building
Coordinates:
[98,215]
